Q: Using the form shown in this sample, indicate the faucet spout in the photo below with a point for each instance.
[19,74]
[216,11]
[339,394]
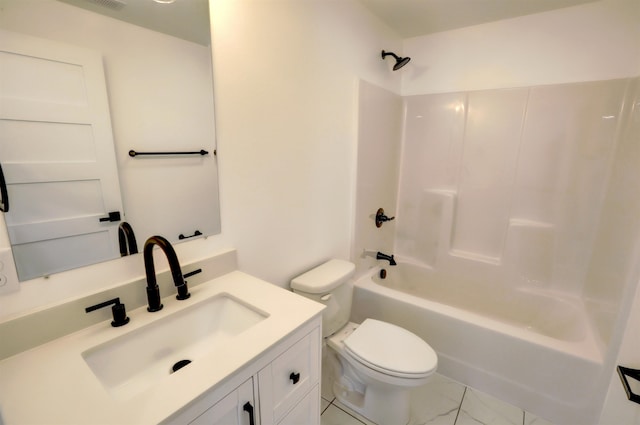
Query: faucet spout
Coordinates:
[153,291]
[127,239]
[389,258]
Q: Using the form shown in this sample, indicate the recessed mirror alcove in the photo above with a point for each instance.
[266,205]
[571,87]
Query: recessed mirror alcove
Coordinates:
[153,62]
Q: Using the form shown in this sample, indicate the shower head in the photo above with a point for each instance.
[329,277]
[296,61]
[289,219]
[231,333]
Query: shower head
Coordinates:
[400,62]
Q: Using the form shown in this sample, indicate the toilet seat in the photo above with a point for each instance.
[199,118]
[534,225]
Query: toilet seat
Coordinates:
[391,350]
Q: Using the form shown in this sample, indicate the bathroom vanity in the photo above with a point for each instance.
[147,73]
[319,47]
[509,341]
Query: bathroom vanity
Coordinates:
[282,388]
[244,351]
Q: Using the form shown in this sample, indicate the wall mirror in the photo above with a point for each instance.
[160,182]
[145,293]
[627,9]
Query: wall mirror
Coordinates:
[84,83]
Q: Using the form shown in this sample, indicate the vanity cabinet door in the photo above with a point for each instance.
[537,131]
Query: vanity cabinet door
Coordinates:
[237,408]
[286,381]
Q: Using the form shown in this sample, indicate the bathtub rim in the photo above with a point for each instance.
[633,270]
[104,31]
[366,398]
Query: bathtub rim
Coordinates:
[586,349]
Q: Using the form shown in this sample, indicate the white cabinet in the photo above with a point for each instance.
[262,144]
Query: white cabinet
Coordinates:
[307,411]
[288,378]
[281,387]
[236,408]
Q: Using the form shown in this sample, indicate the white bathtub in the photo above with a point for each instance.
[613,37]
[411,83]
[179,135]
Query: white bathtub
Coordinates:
[533,350]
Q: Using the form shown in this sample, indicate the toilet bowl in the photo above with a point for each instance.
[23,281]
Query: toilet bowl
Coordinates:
[378,363]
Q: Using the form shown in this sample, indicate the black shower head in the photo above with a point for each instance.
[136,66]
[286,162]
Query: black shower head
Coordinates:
[400,62]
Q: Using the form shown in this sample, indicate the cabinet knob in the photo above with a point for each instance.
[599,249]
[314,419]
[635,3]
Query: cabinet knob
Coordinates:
[295,377]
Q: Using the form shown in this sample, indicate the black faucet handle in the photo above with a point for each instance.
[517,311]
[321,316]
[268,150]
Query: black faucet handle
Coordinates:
[183,292]
[118,310]
[381,218]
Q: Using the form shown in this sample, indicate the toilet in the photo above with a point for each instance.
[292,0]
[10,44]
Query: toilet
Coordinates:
[378,362]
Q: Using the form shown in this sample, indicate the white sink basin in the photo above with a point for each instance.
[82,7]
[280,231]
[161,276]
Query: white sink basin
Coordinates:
[129,364]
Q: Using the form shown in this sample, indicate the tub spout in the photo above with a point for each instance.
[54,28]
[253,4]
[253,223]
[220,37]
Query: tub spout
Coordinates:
[389,258]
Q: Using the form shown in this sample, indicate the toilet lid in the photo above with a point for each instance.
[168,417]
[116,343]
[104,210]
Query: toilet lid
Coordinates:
[391,349]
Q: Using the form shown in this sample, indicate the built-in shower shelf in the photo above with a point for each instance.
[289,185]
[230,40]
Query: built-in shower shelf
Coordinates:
[474,256]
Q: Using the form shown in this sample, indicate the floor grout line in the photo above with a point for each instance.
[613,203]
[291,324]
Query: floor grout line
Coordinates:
[460,405]
[328,405]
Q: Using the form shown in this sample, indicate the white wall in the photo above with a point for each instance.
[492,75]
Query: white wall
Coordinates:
[590,42]
[286,78]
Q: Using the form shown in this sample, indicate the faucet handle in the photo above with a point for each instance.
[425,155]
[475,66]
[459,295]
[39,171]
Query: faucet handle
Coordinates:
[381,218]
[183,292]
[119,312]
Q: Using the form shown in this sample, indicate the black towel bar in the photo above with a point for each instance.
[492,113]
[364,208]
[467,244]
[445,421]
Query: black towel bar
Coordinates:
[202,152]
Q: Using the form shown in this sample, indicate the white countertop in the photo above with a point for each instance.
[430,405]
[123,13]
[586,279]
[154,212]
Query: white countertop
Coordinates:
[52,384]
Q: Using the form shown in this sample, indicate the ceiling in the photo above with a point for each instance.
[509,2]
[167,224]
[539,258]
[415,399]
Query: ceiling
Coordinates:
[186,19]
[408,18]
[412,18]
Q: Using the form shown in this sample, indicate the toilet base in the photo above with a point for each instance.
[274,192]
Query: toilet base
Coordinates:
[378,404]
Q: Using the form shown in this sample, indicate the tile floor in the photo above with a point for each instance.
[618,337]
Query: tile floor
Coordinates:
[442,401]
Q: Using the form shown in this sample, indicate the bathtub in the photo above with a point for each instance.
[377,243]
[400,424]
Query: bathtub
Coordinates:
[531,349]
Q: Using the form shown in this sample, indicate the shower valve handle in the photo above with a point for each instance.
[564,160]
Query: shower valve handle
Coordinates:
[381,218]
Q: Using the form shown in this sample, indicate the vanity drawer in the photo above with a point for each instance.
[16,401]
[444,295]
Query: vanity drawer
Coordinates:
[306,412]
[285,381]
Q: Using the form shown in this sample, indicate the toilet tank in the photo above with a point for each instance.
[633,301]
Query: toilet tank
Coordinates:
[329,284]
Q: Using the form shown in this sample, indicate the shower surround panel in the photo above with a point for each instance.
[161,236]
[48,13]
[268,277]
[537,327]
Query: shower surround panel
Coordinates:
[508,183]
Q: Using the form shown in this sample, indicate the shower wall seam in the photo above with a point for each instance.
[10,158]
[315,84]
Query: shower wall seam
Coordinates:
[515,170]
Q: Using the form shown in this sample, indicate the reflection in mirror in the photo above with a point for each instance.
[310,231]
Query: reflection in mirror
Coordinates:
[82,89]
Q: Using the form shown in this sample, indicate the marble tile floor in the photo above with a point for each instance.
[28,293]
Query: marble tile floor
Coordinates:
[442,401]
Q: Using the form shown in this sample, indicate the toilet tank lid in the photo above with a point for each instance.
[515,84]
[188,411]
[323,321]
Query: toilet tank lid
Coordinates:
[325,277]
